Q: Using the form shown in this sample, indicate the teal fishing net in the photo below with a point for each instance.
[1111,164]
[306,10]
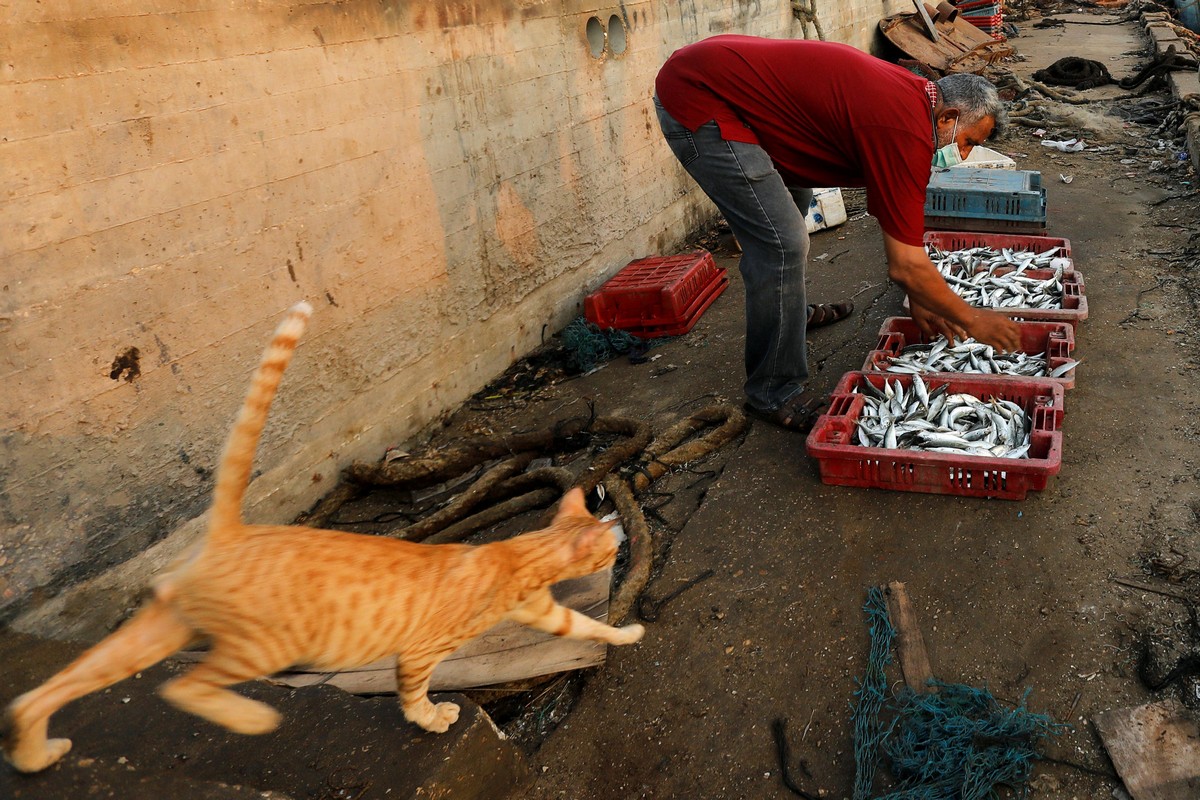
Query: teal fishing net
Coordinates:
[871,695]
[587,346]
[954,743]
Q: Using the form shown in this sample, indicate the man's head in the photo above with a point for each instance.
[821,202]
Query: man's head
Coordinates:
[970,112]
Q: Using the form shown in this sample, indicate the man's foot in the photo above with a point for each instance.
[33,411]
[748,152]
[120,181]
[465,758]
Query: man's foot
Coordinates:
[797,414]
[823,314]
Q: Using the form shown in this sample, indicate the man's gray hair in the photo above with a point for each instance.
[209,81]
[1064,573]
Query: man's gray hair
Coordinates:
[975,98]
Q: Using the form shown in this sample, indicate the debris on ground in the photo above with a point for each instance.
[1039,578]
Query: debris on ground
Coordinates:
[1156,750]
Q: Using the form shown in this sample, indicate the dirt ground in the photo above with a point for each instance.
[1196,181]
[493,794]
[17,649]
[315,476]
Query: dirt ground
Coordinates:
[1012,595]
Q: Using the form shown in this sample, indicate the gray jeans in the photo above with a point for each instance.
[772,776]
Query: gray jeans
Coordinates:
[767,218]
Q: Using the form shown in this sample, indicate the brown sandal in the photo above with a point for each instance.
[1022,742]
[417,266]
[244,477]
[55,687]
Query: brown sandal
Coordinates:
[822,314]
[796,414]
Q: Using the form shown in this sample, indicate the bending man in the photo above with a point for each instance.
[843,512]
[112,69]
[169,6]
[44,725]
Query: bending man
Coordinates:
[757,122]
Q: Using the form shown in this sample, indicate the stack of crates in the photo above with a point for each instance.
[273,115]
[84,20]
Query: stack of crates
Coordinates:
[657,296]
[987,15]
[990,200]
[1005,200]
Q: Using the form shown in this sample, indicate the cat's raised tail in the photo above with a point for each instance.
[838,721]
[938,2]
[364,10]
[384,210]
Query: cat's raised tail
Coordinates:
[233,473]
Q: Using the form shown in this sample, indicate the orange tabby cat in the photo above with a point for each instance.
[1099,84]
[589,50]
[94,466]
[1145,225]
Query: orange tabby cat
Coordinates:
[271,596]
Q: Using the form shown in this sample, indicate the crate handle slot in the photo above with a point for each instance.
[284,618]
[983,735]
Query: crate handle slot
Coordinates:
[892,343]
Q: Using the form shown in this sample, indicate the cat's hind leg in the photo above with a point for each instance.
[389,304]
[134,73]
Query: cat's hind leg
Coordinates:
[203,692]
[544,614]
[149,636]
[413,671]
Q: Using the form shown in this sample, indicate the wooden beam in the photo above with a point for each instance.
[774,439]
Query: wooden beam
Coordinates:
[910,644]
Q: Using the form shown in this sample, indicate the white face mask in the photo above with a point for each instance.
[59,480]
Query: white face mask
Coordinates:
[949,155]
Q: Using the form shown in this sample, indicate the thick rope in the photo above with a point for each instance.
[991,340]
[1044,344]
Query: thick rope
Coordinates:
[666,452]
[462,505]
[452,461]
[641,550]
[540,488]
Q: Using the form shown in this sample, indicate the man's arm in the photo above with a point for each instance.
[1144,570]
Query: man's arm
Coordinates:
[936,308]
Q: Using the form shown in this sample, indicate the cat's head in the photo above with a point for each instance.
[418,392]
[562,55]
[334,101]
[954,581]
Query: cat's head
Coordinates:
[593,544]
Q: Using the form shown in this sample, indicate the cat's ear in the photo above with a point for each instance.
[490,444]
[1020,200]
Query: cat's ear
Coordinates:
[572,505]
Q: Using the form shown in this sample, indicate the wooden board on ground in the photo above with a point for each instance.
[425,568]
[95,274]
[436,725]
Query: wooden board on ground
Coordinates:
[910,644]
[506,652]
[1155,748]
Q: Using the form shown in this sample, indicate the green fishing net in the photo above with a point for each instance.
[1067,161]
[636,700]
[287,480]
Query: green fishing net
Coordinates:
[953,743]
[587,346]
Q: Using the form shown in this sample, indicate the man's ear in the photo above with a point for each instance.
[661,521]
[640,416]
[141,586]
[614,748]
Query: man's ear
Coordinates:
[948,116]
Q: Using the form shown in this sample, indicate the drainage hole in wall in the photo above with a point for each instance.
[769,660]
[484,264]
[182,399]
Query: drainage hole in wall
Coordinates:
[616,35]
[595,36]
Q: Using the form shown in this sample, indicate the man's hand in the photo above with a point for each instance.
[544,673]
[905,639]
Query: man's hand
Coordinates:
[937,309]
[932,325]
[991,327]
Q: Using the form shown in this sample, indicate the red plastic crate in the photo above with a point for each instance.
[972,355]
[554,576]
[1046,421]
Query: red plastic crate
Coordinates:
[1055,339]
[657,296]
[964,240]
[1074,301]
[974,5]
[843,463]
[990,24]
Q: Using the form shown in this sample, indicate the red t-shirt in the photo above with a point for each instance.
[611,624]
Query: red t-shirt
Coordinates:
[826,113]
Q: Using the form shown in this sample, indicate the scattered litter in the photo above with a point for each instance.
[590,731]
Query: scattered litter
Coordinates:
[1066,178]
[1067,146]
[393,453]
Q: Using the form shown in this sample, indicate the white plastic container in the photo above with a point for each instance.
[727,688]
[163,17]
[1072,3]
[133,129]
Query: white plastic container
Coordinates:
[986,158]
[826,211]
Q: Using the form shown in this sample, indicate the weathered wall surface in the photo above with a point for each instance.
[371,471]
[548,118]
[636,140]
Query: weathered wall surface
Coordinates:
[443,179]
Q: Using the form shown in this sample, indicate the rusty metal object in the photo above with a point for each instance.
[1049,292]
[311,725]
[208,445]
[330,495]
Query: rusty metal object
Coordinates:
[946,12]
[960,46]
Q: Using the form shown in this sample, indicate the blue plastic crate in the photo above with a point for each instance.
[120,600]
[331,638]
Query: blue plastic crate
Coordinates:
[997,200]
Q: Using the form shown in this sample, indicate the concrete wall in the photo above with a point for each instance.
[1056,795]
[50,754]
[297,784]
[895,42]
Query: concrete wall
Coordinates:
[443,179]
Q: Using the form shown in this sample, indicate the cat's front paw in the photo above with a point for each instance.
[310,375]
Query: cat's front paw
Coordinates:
[628,634]
[444,715]
[30,760]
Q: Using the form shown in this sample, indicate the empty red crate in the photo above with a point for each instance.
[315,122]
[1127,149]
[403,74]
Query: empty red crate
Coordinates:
[964,240]
[1055,339]
[657,296]
[1074,302]
[843,463]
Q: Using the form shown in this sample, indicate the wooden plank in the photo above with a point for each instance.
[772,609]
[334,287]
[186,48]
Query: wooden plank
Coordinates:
[1155,748]
[910,644]
[505,652]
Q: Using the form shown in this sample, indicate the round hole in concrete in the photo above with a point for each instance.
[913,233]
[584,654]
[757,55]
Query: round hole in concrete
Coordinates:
[616,35]
[595,37]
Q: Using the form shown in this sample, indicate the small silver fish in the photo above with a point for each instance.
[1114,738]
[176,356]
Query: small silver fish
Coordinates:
[937,421]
